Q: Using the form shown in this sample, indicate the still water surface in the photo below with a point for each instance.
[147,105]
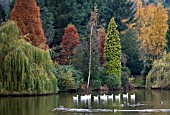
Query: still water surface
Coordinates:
[43,105]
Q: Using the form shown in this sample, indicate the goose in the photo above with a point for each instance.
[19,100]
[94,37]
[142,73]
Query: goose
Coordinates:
[103,96]
[85,97]
[75,97]
[88,96]
[125,95]
[110,96]
[117,97]
[132,96]
[96,97]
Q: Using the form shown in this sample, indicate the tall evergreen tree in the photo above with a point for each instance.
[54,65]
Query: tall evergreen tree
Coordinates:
[112,51]
[47,21]
[130,46]
[27,15]
[2,14]
[168,35]
[6,5]
[66,12]
[122,10]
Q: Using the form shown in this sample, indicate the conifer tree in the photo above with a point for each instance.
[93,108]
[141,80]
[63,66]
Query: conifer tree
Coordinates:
[27,15]
[2,14]
[70,41]
[130,46]
[112,51]
[122,10]
[168,35]
[64,13]
[47,21]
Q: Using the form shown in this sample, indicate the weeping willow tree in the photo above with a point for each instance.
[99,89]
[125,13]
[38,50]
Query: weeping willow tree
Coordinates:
[24,69]
[159,77]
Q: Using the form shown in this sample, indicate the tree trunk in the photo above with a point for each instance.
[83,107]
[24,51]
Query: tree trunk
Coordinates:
[91,33]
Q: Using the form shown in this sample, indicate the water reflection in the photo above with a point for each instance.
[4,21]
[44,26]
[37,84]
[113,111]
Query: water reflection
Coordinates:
[42,105]
[27,105]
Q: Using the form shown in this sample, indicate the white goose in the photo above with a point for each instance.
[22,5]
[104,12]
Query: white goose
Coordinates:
[125,96]
[85,97]
[110,96]
[133,97]
[96,97]
[117,97]
[75,97]
[103,96]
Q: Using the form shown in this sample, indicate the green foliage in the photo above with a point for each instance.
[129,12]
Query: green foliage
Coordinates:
[24,68]
[159,77]
[125,73]
[112,82]
[2,14]
[95,84]
[120,9]
[130,46]
[168,35]
[137,81]
[47,21]
[112,51]
[66,82]
[66,12]
[82,52]
[68,78]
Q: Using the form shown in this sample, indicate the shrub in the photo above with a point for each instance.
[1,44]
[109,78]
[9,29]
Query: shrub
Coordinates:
[158,76]
[125,73]
[68,78]
[95,84]
[112,82]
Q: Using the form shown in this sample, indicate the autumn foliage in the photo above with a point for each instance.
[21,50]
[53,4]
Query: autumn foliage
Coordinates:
[152,22]
[70,41]
[101,41]
[27,15]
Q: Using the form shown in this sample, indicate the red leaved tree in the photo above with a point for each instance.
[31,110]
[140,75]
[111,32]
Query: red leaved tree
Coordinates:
[101,41]
[70,41]
[27,16]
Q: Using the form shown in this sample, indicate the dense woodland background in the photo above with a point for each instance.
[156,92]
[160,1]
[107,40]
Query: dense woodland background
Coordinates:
[49,47]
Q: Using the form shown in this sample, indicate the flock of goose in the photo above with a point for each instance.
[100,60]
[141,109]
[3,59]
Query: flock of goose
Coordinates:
[104,97]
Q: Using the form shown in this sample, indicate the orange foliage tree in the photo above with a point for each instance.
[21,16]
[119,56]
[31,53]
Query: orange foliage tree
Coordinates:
[70,41]
[152,22]
[27,16]
[101,41]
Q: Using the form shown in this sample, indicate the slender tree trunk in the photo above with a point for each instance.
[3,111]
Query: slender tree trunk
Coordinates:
[90,53]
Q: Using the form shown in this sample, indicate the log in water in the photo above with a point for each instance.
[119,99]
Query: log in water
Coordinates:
[82,110]
[107,110]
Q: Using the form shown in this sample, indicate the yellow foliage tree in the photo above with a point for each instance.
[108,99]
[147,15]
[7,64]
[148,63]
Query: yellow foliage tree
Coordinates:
[152,28]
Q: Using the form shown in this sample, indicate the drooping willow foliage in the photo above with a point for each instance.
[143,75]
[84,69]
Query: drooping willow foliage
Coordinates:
[24,69]
[158,76]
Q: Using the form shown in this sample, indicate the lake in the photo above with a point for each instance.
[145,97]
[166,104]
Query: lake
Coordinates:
[146,102]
